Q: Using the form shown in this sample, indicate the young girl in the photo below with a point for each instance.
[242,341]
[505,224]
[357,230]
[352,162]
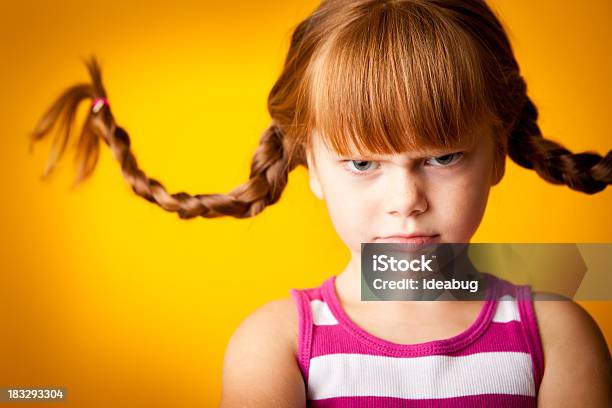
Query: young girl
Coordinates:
[403,112]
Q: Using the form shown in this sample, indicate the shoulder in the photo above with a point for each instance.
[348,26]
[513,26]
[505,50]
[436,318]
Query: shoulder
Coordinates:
[557,314]
[260,366]
[578,368]
[278,317]
[565,324]
[273,326]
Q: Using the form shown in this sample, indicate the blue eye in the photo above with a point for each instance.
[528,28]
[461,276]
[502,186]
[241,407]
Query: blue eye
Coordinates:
[366,167]
[361,167]
[447,159]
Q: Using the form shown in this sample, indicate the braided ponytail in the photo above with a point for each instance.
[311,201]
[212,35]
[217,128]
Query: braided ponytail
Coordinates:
[269,168]
[586,172]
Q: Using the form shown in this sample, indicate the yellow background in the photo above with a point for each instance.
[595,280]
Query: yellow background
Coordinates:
[125,304]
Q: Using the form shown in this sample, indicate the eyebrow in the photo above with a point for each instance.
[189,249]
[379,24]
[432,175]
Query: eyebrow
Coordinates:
[422,154]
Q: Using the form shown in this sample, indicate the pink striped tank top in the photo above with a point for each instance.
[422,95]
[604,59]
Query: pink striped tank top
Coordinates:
[497,361]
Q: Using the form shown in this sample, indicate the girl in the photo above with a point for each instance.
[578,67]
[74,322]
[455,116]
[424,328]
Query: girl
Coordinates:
[403,112]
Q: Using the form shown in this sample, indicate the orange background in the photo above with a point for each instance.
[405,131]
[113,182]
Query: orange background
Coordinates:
[125,304]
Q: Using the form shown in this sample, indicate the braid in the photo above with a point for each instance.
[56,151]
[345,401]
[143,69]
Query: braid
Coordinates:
[586,172]
[269,168]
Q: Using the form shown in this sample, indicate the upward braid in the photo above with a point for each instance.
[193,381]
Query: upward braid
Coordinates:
[587,172]
[269,168]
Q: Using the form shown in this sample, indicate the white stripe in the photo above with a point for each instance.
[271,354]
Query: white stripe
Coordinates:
[321,314]
[507,310]
[337,375]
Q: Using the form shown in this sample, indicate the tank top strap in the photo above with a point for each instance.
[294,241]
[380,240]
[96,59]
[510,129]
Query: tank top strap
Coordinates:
[531,331]
[516,303]
[311,310]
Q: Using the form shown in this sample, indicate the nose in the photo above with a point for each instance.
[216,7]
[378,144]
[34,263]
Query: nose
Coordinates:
[406,196]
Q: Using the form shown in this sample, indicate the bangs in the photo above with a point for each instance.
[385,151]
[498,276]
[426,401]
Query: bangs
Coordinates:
[397,80]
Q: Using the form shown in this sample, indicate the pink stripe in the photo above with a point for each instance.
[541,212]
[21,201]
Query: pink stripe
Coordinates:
[517,291]
[476,401]
[333,339]
[313,293]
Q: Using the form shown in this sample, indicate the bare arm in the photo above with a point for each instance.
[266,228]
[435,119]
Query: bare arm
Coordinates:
[260,369]
[578,368]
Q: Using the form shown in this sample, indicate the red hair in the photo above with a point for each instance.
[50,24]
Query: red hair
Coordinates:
[384,76]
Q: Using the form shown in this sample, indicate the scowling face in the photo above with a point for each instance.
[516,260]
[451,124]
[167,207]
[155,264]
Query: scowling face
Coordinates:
[437,194]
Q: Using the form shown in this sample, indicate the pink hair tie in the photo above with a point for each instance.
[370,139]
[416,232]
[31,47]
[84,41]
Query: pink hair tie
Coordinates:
[98,103]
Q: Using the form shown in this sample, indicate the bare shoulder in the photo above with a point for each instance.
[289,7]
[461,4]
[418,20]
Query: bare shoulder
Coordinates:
[557,314]
[278,317]
[260,368]
[578,368]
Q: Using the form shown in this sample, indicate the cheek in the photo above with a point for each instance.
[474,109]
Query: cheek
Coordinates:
[461,207]
[348,209]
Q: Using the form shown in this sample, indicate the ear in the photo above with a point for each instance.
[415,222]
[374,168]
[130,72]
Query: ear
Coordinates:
[499,168]
[314,181]
[499,155]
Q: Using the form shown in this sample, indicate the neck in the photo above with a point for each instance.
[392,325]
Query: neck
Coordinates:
[348,282]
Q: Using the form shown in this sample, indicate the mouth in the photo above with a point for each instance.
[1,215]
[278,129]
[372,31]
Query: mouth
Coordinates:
[405,239]
[409,244]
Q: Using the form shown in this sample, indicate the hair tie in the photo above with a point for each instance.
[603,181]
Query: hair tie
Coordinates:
[98,103]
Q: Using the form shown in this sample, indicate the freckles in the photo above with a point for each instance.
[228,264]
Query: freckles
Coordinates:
[470,209]
[461,203]
[473,201]
[474,184]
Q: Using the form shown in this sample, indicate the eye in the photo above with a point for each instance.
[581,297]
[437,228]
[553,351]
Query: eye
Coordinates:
[359,167]
[447,159]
